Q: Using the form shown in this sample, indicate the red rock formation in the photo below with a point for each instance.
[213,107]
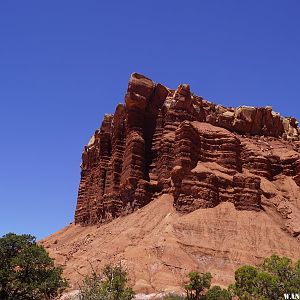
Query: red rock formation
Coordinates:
[208,169]
[170,141]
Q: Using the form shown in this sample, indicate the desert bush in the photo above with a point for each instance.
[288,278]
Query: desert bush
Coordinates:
[275,277]
[26,270]
[172,296]
[217,293]
[197,286]
[111,284]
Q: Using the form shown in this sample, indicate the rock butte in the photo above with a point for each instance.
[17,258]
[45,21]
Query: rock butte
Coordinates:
[166,141]
[199,186]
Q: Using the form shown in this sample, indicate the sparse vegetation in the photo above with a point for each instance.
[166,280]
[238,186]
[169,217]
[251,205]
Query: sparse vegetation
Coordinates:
[198,285]
[172,296]
[26,270]
[28,273]
[217,293]
[274,278]
[110,285]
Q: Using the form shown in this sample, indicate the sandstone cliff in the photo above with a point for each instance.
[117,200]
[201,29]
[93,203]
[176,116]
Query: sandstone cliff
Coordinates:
[172,141]
[198,186]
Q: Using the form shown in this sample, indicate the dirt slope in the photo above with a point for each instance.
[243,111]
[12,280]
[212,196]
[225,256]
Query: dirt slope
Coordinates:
[159,246]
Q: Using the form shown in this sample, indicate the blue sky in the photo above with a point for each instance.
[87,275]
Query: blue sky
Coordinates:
[63,64]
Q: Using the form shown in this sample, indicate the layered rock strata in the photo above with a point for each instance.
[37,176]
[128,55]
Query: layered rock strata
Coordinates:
[172,141]
[208,170]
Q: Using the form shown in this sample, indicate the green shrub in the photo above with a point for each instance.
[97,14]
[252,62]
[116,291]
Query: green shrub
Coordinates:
[217,293]
[110,285]
[26,270]
[172,296]
[274,278]
[198,284]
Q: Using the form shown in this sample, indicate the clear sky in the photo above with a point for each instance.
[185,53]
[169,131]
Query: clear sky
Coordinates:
[63,64]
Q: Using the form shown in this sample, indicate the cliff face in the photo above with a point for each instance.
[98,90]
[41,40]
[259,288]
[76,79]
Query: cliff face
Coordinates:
[171,141]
